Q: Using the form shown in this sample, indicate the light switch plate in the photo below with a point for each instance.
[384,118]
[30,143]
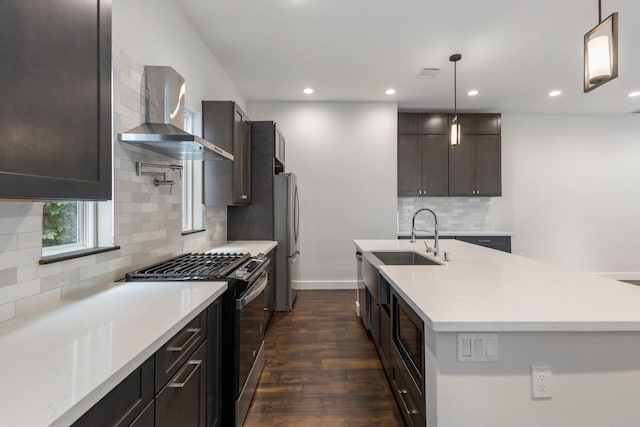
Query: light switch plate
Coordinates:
[478,347]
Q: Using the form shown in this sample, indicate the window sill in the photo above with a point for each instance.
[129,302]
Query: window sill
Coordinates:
[186,233]
[75,254]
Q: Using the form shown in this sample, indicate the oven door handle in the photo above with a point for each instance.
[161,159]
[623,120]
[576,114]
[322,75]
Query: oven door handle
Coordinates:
[258,287]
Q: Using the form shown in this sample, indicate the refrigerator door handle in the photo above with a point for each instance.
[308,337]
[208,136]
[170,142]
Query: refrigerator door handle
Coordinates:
[296,215]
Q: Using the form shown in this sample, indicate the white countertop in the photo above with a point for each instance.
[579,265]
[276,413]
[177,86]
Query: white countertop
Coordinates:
[483,289]
[55,367]
[254,247]
[421,233]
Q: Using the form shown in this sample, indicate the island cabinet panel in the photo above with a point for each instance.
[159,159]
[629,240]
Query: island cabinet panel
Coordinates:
[408,360]
[475,167]
[55,115]
[227,183]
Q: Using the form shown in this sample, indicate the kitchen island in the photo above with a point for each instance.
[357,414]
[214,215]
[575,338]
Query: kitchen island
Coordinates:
[584,329]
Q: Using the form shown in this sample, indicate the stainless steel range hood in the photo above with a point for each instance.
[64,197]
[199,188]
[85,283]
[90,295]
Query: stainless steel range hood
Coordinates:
[162,132]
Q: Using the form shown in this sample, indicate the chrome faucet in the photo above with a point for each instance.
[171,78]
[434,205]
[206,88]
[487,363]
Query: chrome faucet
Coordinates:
[436,250]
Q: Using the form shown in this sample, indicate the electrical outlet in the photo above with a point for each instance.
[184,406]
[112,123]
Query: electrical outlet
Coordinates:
[541,382]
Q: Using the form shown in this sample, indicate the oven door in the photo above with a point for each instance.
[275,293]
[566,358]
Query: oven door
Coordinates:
[251,311]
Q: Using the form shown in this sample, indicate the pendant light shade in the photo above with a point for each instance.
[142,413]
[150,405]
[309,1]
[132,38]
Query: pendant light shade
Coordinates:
[601,51]
[455,125]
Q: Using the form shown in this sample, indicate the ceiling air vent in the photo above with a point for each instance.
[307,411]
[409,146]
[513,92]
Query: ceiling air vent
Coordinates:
[428,73]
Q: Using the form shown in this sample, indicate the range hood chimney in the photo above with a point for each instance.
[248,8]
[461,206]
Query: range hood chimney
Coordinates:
[162,132]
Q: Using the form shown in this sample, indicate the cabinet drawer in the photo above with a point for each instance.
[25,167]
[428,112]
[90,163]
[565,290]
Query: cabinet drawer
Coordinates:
[175,352]
[125,402]
[411,400]
[501,243]
[182,401]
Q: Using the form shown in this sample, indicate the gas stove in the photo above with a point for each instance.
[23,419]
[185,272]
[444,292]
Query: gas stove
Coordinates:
[191,267]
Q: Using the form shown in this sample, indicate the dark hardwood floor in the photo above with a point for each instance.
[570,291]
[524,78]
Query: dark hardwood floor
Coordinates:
[321,369]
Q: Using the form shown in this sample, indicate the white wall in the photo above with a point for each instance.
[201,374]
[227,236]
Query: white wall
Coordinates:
[344,155]
[571,190]
[156,32]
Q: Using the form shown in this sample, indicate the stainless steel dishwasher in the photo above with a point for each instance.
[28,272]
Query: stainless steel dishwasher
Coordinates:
[362,300]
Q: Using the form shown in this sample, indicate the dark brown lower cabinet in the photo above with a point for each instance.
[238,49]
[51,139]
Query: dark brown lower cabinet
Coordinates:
[408,361]
[182,402]
[147,417]
[122,405]
[178,386]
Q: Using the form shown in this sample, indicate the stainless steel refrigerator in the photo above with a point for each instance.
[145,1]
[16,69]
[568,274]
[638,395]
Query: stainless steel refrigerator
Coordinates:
[274,212]
[287,231]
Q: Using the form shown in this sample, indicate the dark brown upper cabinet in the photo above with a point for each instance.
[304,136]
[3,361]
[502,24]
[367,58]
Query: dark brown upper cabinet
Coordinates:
[479,124]
[55,115]
[422,154]
[474,166]
[422,165]
[429,166]
[423,124]
[227,183]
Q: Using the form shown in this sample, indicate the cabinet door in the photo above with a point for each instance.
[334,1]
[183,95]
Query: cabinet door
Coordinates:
[242,162]
[461,168]
[434,124]
[487,124]
[147,418]
[55,114]
[479,124]
[182,401]
[409,123]
[409,164]
[214,373]
[487,169]
[435,165]
[122,405]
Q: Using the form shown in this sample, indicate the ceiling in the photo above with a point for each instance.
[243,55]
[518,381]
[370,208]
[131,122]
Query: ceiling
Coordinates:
[513,52]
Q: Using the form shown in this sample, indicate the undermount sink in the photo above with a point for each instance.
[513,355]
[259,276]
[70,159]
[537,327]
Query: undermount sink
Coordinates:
[403,258]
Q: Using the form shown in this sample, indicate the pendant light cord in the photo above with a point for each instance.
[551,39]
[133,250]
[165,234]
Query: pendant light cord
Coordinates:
[455,89]
[599,11]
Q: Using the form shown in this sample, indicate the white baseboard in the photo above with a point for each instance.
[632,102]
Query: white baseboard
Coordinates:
[619,276]
[324,284]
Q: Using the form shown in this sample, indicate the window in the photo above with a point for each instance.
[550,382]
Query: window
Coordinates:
[192,209]
[73,226]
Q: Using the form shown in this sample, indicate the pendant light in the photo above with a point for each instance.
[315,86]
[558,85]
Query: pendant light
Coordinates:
[601,51]
[455,126]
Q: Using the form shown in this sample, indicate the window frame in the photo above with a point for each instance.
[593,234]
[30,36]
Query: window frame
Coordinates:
[192,202]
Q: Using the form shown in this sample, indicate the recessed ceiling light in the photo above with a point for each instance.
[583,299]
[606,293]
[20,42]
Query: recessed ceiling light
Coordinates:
[555,93]
[390,91]
[473,92]
[308,90]
[634,94]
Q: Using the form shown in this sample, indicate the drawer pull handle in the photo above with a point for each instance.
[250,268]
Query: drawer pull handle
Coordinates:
[484,240]
[196,364]
[195,332]
[410,412]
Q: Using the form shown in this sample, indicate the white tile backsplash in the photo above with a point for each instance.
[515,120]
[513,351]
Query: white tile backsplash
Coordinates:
[454,213]
[147,222]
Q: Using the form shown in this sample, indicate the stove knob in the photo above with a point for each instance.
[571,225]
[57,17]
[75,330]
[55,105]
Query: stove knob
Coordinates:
[240,272]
